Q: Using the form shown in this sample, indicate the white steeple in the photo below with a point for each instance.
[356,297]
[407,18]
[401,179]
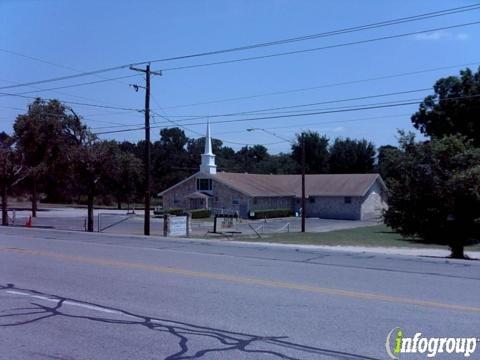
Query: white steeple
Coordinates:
[208,158]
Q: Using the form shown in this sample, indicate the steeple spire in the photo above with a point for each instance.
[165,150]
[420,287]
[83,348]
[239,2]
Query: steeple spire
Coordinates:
[208,141]
[208,158]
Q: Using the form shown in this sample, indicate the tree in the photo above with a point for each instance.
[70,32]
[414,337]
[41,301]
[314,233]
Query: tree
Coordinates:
[44,136]
[11,171]
[436,195]
[316,152]
[387,165]
[94,162]
[453,109]
[170,158]
[196,147]
[249,158]
[126,177]
[349,156]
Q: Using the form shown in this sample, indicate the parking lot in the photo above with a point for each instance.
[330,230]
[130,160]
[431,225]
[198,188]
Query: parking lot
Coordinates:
[123,222]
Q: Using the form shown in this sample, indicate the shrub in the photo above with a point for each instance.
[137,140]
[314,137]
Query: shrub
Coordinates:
[172,211]
[200,213]
[271,213]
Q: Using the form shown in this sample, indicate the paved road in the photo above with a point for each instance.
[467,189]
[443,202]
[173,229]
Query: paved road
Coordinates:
[67,295]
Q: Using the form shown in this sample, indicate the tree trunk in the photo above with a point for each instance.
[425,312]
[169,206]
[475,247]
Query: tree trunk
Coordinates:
[119,204]
[4,205]
[90,210]
[34,197]
[457,251]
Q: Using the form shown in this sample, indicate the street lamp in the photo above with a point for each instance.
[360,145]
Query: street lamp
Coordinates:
[303,165]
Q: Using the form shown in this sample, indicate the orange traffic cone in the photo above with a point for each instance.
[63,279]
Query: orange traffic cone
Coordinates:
[29,222]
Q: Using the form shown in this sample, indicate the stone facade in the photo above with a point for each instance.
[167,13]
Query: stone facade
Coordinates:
[334,207]
[222,197]
[284,202]
[374,202]
[175,197]
[368,207]
[225,198]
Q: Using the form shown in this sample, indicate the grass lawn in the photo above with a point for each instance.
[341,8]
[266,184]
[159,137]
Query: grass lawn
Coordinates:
[369,236]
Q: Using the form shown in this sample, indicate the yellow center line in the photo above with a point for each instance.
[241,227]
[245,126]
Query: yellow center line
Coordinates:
[243,280]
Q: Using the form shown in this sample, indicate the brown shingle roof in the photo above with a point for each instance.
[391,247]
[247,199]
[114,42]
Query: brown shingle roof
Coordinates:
[290,185]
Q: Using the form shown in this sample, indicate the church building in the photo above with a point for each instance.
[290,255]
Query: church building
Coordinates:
[332,196]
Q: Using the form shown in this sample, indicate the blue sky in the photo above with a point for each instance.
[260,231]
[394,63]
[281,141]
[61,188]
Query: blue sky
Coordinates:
[87,35]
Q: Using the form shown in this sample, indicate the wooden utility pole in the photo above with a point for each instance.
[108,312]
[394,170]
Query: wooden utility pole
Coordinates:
[303,183]
[147,160]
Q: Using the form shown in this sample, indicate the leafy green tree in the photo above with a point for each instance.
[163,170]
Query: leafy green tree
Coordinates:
[278,164]
[11,170]
[44,136]
[125,181]
[170,158]
[196,147]
[316,152]
[349,156]
[436,194]
[388,160]
[250,158]
[453,109]
[94,163]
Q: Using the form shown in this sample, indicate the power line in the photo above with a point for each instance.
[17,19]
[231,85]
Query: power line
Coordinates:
[319,48]
[314,103]
[265,44]
[79,84]
[77,103]
[328,33]
[325,122]
[343,83]
[166,117]
[83,117]
[298,105]
[341,110]
[39,90]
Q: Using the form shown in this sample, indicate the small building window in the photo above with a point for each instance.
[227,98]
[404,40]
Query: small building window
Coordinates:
[235,201]
[347,199]
[204,184]
[311,200]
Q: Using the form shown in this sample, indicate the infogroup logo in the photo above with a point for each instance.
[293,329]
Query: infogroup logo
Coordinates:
[397,343]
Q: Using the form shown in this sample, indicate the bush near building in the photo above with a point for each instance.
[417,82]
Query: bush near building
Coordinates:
[271,213]
[172,211]
[200,213]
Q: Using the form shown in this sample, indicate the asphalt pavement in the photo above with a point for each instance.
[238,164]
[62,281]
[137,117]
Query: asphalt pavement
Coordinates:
[75,295]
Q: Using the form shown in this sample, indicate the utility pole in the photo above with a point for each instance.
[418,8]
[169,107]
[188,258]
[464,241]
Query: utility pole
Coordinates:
[147,160]
[302,139]
[303,183]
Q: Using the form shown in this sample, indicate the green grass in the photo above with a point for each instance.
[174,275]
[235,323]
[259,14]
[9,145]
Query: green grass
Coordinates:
[368,236]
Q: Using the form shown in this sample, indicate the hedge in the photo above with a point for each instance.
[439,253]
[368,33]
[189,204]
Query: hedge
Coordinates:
[271,213]
[172,211]
[200,213]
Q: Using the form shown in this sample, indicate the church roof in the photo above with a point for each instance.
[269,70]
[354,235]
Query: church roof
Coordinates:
[198,195]
[258,185]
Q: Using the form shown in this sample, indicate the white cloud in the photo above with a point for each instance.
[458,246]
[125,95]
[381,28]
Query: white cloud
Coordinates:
[442,35]
[463,36]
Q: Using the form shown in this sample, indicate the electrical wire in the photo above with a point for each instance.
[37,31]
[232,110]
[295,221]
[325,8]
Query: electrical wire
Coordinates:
[327,47]
[266,44]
